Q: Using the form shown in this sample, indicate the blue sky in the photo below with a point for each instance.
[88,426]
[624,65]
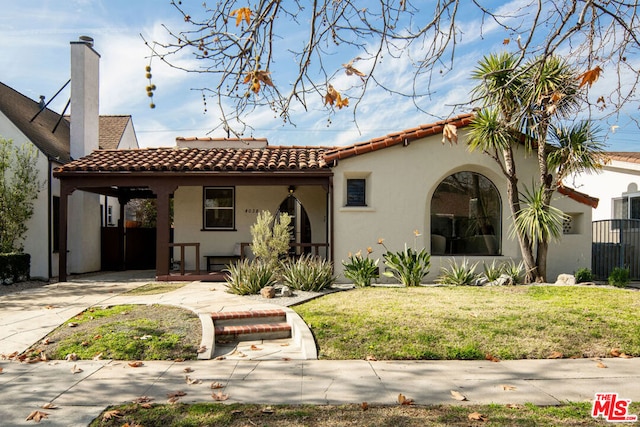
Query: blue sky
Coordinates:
[34,41]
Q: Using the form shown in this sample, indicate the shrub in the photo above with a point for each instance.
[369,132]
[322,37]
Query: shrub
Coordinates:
[619,277]
[514,271]
[308,273]
[408,266]
[361,270]
[583,275]
[14,267]
[459,275]
[271,237]
[248,277]
[492,272]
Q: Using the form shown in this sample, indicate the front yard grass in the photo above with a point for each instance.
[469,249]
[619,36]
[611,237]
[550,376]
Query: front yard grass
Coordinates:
[237,415]
[125,332]
[515,322]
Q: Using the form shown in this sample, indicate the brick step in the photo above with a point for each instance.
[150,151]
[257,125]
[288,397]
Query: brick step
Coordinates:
[253,332]
[249,317]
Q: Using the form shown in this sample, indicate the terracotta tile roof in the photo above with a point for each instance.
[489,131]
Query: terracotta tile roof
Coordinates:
[396,138]
[271,159]
[579,197]
[624,156]
[111,130]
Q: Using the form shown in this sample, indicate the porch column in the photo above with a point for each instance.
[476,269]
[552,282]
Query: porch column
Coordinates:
[163,192]
[65,192]
[122,201]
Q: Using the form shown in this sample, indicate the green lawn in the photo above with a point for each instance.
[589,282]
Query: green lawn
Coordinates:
[516,322]
[236,415]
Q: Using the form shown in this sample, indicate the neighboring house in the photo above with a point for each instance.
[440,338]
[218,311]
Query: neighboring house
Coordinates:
[616,226]
[58,139]
[343,198]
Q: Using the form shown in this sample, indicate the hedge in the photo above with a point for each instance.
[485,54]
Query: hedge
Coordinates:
[14,267]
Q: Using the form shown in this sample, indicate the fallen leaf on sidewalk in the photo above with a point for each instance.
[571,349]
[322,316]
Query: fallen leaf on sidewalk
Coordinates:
[37,416]
[49,406]
[458,396]
[215,385]
[187,370]
[71,357]
[220,358]
[191,381]
[178,360]
[219,396]
[75,369]
[477,416]
[491,358]
[370,358]
[507,387]
[255,347]
[403,400]
[556,355]
[0,370]
[136,364]
[178,393]
[601,365]
[142,399]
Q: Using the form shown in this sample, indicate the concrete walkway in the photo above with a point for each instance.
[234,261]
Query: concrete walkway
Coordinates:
[26,317]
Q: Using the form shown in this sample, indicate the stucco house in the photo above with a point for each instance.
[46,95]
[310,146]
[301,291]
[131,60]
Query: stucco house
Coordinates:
[616,220]
[343,198]
[58,140]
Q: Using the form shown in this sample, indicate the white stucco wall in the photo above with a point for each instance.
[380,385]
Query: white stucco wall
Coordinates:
[129,138]
[36,242]
[615,179]
[401,181]
[188,213]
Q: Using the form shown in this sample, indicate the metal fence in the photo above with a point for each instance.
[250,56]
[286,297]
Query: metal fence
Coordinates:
[616,243]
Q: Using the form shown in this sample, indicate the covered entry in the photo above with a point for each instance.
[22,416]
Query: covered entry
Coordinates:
[163,173]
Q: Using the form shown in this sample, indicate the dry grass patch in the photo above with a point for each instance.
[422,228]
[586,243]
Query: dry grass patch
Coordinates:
[519,322]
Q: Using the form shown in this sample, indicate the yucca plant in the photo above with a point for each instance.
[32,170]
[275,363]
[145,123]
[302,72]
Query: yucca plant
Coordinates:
[307,273]
[249,277]
[492,271]
[461,274]
[409,267]
[361,270]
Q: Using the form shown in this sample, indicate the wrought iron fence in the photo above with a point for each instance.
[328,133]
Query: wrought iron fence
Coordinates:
[615,243]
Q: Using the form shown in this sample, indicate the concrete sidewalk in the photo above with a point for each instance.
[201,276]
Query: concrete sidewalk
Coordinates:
[82,393]
[80,397]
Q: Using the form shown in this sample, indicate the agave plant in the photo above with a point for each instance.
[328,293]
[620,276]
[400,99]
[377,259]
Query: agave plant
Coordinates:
[308,273]
[249,277]
[409,267]
[461,274]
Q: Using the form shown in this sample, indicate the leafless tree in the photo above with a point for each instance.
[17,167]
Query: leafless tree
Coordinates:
[241,42]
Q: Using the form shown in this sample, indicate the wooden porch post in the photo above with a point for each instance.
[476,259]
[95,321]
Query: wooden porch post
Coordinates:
[163,193]
[65,192]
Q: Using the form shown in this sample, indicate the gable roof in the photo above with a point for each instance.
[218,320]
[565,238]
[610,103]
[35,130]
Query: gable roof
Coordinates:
[111,131]
[270,158]
[20,110]
[39,127]
[396,138]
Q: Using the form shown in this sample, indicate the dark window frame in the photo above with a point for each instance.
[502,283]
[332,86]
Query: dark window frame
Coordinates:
[358,199]
[205,208]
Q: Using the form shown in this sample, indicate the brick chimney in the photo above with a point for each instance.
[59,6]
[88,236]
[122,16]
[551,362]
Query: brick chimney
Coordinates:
[85,64]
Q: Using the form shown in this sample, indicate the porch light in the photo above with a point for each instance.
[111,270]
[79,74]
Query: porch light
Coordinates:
[292,188]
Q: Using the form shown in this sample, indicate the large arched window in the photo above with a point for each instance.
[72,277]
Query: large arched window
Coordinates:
[465,216]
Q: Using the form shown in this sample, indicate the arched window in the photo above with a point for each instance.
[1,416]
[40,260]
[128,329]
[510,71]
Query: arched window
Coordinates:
[466,216]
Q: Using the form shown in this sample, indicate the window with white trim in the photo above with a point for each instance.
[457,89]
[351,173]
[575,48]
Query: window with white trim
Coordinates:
[219,208]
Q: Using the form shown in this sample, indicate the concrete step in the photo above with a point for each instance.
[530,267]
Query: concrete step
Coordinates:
[248,317]
[253,332]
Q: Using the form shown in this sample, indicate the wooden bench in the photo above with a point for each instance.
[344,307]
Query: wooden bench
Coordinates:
[220,262]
